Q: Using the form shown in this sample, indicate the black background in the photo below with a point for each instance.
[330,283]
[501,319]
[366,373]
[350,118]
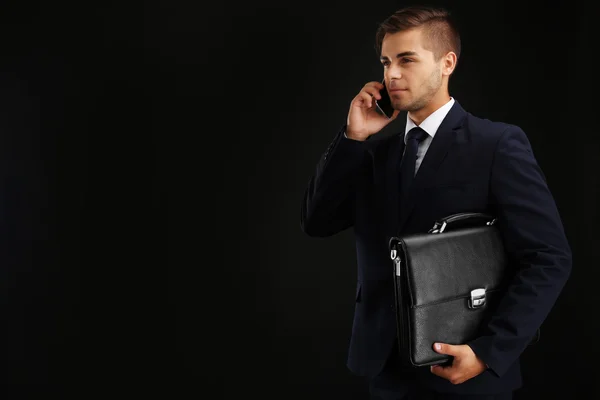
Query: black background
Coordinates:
[153,161]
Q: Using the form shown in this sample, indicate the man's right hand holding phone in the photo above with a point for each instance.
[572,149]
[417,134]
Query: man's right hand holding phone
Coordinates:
[363,118]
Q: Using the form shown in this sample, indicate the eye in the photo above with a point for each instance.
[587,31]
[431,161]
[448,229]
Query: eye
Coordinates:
[406,60]
[385,63]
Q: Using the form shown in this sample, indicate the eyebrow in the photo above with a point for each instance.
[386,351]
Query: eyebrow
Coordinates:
[400,55]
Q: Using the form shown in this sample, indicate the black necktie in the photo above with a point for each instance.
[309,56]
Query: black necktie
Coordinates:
[407,166]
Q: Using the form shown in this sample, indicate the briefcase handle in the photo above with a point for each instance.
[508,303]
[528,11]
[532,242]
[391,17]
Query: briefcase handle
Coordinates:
[462,220]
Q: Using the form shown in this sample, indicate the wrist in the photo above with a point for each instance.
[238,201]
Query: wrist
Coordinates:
[350,135]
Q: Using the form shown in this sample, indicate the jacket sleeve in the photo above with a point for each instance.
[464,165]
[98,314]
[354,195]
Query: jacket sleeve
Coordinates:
[328,203]
[535,240]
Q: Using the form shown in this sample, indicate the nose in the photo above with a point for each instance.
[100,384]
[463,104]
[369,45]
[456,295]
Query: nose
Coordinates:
[393,82]
[394,75]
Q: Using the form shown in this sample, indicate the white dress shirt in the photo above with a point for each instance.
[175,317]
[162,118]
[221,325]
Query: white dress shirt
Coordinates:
[429,125]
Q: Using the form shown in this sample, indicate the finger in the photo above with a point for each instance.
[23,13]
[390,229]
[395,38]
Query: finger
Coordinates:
[443,372]
[449,349]
[375,84]
[372,91]
[366,99]
[448,373]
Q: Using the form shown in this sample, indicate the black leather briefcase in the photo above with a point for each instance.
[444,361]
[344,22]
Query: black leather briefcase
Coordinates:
[447,283]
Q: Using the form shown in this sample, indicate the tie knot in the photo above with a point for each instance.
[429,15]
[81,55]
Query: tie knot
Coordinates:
[416,133]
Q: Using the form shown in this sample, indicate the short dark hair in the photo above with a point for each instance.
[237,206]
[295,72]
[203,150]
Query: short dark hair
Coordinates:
[439,28]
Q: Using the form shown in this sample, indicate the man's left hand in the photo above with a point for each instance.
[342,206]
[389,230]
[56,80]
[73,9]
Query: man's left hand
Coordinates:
[466,364]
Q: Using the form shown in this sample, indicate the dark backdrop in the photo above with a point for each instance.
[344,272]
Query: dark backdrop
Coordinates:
[153,162]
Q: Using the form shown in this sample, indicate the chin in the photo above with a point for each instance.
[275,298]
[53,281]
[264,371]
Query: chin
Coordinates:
[403,106]
[412,106]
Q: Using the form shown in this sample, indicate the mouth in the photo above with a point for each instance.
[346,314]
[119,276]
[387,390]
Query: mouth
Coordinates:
[398,90]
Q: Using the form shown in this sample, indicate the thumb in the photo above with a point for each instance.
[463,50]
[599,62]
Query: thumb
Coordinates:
[444,348]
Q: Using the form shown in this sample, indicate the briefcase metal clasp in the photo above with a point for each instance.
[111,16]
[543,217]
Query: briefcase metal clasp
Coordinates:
[477,299]
[396,258]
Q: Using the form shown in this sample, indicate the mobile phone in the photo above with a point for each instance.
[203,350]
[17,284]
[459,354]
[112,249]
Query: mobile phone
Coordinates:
[384,105]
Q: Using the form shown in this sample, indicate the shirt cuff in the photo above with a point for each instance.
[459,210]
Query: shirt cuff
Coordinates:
[346,137]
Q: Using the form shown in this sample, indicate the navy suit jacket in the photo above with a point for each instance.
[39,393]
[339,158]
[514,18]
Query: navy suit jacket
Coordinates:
[472,165]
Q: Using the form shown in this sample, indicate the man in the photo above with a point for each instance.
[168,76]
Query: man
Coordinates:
[463,163]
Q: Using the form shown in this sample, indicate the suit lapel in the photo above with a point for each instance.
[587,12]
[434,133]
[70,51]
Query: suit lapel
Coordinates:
[436,153]
[391,188]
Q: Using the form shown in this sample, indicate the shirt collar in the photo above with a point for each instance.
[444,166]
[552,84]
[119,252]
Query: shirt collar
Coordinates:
[432,122]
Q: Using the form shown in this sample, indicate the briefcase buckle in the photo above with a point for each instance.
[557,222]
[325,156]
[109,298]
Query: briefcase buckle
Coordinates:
[477,299]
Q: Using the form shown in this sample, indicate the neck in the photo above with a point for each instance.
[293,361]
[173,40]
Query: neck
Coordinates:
[418,116]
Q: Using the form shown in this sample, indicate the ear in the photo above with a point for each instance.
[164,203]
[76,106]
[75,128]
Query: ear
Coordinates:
[449,63]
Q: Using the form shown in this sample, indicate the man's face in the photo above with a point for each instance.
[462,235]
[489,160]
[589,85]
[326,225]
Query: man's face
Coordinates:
[415,70]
